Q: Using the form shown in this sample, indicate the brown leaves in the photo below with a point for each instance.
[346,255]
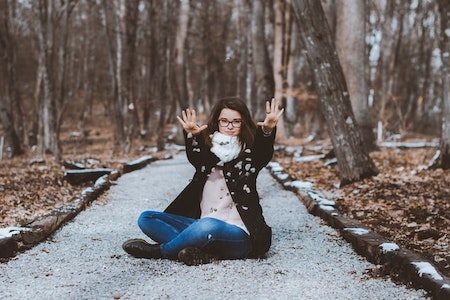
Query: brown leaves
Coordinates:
[406,202]
[29,191]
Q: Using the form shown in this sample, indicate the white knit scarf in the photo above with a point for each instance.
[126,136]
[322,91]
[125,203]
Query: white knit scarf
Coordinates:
[225,147]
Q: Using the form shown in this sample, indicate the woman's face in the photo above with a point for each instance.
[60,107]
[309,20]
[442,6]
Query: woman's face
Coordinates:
[230,122]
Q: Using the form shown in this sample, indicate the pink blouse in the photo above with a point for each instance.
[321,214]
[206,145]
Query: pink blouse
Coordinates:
[217,202]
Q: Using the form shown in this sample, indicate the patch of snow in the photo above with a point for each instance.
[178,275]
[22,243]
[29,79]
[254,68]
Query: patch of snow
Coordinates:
[330,162]
[427,268]
[283,176]
[309,158]
[102,180]
[320,200]
[87,191]
[10,231]
[275,167]
[388,247]
[326,207]
[301,185]
[358,231]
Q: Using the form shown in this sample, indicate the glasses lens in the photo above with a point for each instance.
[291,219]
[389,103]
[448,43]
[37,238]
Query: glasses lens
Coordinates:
[223,123]
[234,123]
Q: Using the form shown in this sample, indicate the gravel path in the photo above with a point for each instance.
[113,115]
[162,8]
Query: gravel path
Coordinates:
[84,259]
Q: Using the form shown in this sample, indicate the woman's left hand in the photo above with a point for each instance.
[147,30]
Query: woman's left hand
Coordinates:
[273,114]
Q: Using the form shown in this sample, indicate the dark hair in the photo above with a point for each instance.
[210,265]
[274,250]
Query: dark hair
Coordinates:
[248,127]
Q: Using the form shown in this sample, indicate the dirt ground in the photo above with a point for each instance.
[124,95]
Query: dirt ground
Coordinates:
[406,202]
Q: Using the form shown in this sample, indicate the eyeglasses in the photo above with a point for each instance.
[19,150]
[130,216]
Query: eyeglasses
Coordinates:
[236,123]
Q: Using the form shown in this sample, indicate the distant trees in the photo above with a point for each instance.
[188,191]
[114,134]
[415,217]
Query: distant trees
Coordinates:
[140,61]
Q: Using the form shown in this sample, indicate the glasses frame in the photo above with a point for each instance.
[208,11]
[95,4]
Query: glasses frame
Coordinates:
[222,121]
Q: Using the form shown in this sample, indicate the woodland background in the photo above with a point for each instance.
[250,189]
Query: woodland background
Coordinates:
[98,81]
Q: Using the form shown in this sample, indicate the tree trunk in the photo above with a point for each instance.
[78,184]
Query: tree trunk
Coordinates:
[351,48]
[47,137]
[180,64]
[443,160]
[265,86]
[280,55]
[353,160]
[11,99]
[120,105]
[131,28]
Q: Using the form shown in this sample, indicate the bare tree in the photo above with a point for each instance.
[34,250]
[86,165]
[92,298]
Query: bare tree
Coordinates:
[47,135]
[281,55]
[443,155]
[10,104]
[351,48]
[180,64]
[264,82]
[353,160]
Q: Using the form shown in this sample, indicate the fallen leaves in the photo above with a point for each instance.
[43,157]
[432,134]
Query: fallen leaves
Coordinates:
[407,203]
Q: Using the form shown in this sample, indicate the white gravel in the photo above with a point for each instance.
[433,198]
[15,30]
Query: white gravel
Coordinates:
[84,259]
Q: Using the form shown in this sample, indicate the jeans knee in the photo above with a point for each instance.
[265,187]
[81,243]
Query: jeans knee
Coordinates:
[144,218]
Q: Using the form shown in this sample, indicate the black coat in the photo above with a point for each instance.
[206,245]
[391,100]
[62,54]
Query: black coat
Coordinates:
[240,175]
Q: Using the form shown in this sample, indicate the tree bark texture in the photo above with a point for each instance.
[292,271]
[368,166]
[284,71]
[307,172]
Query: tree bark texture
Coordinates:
[351,48]
[264,82]
[181,91]
[353,160]
[10,106]
[444,155]
[47,136]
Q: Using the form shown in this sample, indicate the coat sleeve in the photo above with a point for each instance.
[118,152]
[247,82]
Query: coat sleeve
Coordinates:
[198,153]
[263,147]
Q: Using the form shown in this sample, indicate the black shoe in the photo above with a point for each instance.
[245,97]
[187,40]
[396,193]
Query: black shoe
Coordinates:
[193,256]
[141,249]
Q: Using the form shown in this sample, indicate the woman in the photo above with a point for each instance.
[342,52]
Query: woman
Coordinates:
[217,215]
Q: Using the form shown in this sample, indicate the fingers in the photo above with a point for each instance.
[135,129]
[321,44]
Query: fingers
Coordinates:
[188,120]
[280,113]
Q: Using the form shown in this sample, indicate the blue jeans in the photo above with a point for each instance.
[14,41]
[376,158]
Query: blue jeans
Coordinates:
[175,233]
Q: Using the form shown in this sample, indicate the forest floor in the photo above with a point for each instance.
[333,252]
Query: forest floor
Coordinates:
[406,203]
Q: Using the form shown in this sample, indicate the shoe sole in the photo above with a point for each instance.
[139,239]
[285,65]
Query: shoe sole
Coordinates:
[193,256]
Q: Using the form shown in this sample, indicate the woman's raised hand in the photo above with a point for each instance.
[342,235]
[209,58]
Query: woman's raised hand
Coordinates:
[273,114]
[189,122]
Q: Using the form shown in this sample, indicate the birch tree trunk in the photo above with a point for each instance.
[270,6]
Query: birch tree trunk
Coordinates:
[392,31]
[351,48]
[443,159]
[353,160]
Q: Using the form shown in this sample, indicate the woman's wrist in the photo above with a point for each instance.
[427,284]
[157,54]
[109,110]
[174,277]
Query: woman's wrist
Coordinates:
[266,131]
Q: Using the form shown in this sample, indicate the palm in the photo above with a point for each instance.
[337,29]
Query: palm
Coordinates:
[189,122]
[273,114]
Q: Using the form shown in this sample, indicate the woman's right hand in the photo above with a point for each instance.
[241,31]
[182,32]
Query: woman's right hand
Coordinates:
[189,122]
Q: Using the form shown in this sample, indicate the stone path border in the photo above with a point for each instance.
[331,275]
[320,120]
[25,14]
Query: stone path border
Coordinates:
[23,238]
[407,266]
